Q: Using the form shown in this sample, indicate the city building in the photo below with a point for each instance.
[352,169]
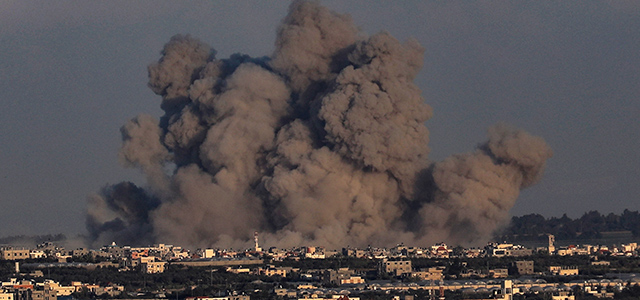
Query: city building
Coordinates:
[11,253]
[352,280]
[336,276]
[397,267]
[499,273]
[6,296]
[563,270]
[429,274]
[153,267]
[273,271]
[524,267]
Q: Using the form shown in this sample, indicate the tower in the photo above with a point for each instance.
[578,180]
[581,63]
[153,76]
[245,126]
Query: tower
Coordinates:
[255,240]
[552,247]
[507,290]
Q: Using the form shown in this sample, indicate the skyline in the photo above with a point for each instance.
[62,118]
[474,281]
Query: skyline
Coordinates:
[72,76]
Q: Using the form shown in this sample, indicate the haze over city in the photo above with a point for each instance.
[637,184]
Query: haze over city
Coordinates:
[72,75]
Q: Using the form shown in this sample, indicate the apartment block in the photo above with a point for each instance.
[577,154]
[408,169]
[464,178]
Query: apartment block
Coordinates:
[10,253]
[525,267]
[397,267]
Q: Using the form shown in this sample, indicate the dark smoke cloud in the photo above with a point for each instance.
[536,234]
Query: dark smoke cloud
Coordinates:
[121,212]
[324,142]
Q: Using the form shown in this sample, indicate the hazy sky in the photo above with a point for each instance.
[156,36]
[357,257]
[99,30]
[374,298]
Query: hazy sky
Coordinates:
[73,72]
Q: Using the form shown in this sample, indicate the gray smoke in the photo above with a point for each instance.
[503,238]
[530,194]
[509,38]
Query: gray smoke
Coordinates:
[476,190]
[324,143]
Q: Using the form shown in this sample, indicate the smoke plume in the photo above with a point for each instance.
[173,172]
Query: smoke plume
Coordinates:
[323,142]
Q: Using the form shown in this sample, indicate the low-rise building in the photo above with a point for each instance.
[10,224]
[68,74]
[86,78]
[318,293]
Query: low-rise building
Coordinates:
[153,267]
[59,290]
[36,253]
[112,290]
[563,270]
[504,249]
[273,271]
[239,270]
[524,267]
[352,280]
[429,274]
[397,267]
[336,276]
[440,250]
[563,295]
[11,253]
[6,296]
[499,273]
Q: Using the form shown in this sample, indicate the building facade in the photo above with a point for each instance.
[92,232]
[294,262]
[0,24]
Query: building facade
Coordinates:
[397,267]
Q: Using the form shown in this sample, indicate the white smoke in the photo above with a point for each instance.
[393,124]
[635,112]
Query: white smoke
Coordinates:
[324,142]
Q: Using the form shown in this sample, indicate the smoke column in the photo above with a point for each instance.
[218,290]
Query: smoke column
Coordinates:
[323,142]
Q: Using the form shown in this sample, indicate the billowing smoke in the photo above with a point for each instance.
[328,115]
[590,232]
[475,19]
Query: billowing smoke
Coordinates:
[323,142]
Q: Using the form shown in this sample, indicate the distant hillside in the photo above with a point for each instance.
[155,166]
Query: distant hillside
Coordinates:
[592,225]
[31,240]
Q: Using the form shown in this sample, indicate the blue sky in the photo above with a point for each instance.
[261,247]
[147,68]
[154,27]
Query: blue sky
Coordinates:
[73,72]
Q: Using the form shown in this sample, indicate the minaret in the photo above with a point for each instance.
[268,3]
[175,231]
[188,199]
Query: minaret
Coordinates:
[552,247]
[255,239]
